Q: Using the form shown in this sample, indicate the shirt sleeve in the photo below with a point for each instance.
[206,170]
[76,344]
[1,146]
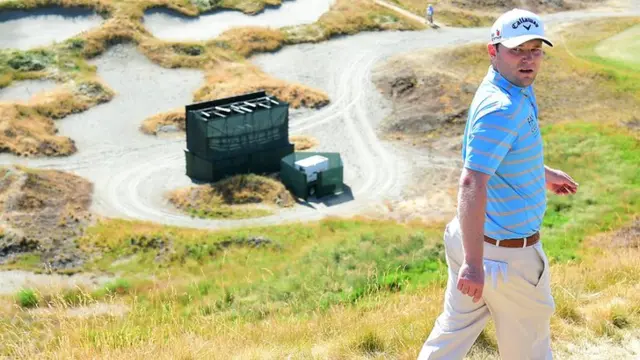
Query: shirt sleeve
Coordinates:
[490,138]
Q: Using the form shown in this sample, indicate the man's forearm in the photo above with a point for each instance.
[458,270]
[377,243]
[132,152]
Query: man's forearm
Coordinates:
[472,200]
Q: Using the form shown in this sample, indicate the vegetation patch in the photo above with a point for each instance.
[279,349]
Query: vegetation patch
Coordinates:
[303,142]
[236,78]
[28,129]
[297,283]
[229,198]
[43,211]
[603,159]
[175,119]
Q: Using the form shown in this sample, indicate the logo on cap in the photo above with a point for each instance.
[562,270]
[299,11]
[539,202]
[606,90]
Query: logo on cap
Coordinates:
[523,21]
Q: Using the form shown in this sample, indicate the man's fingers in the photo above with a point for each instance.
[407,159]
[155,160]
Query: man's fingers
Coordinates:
[465,289]
[477,295]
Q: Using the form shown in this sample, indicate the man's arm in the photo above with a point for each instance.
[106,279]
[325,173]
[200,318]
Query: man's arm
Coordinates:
[472,202]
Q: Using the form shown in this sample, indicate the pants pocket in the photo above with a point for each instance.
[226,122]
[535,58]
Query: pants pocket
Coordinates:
[543,278]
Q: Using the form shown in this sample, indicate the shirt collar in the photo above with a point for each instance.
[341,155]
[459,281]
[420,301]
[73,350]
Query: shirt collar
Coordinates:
[497,79]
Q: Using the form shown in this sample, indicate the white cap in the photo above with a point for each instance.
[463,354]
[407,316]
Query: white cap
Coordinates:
[516,27]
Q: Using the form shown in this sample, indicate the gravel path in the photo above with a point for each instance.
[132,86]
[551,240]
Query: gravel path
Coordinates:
[132,171]
[169,25]
[26,29]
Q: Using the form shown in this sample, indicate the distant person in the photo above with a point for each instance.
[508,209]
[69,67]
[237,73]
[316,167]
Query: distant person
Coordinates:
[430,14]
[501,203]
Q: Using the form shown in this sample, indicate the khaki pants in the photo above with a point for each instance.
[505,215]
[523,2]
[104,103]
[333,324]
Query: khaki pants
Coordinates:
[517,295]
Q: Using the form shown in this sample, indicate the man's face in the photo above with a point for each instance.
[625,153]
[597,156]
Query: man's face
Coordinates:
[520,64]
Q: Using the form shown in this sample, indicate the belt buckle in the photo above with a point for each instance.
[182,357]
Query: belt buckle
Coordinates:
[524,242]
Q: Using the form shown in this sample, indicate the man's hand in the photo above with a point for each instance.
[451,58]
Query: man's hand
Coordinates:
[471,280]
[559,182]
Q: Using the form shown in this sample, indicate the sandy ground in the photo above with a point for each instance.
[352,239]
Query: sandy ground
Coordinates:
[22,91]
[132,172]
[14,280]
[169,25]
[22,29]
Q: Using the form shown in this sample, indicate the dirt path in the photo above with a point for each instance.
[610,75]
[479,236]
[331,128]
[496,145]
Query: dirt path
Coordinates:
[407,13]
[131,172]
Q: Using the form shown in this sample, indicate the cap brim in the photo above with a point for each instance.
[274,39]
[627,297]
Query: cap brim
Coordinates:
[511,43]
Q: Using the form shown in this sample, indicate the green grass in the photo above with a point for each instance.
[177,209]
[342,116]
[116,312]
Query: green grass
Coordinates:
[622,48]
[347,260]
[27,298]
[603,159]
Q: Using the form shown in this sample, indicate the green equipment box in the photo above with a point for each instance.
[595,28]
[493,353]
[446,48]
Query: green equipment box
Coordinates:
[312,174]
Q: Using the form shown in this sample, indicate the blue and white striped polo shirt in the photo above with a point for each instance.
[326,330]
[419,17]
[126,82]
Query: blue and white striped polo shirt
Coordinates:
[502,139]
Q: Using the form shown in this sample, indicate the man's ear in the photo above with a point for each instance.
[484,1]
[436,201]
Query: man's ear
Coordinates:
[492,50]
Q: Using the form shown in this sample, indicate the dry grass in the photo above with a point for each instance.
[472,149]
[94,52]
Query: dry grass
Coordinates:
[235,78]
[228,198]
[24,132]
[28,128]
[597,304]
[175,117]
[303,142]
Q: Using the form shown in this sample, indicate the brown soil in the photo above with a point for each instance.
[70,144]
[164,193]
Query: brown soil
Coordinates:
[428,105]
[42,212]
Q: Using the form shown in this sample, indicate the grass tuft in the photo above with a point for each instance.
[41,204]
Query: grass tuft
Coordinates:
[217,200]
[27,298]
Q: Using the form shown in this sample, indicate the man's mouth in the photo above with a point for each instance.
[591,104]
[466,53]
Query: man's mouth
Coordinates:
[526,71]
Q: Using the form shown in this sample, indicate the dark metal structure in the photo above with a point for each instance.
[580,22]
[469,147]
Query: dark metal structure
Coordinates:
[235,135]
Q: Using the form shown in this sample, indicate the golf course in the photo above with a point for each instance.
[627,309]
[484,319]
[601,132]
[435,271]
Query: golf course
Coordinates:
[363,286]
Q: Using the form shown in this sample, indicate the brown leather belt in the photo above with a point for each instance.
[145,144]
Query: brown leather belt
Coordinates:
[514,243]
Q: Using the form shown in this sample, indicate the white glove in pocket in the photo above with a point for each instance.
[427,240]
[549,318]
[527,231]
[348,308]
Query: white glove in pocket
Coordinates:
[492,268]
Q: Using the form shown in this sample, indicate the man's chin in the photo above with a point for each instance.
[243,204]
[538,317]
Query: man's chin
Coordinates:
[524,82]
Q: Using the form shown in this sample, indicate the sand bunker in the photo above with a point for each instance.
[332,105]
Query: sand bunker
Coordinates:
[169,25]
[24,90]
[28,29]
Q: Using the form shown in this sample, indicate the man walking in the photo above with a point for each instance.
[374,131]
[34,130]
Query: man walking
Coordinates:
[501,203]
[430,14]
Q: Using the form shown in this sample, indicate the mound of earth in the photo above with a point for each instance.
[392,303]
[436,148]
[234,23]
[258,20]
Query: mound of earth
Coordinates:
[42,212]
[430,101]
[240,196]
